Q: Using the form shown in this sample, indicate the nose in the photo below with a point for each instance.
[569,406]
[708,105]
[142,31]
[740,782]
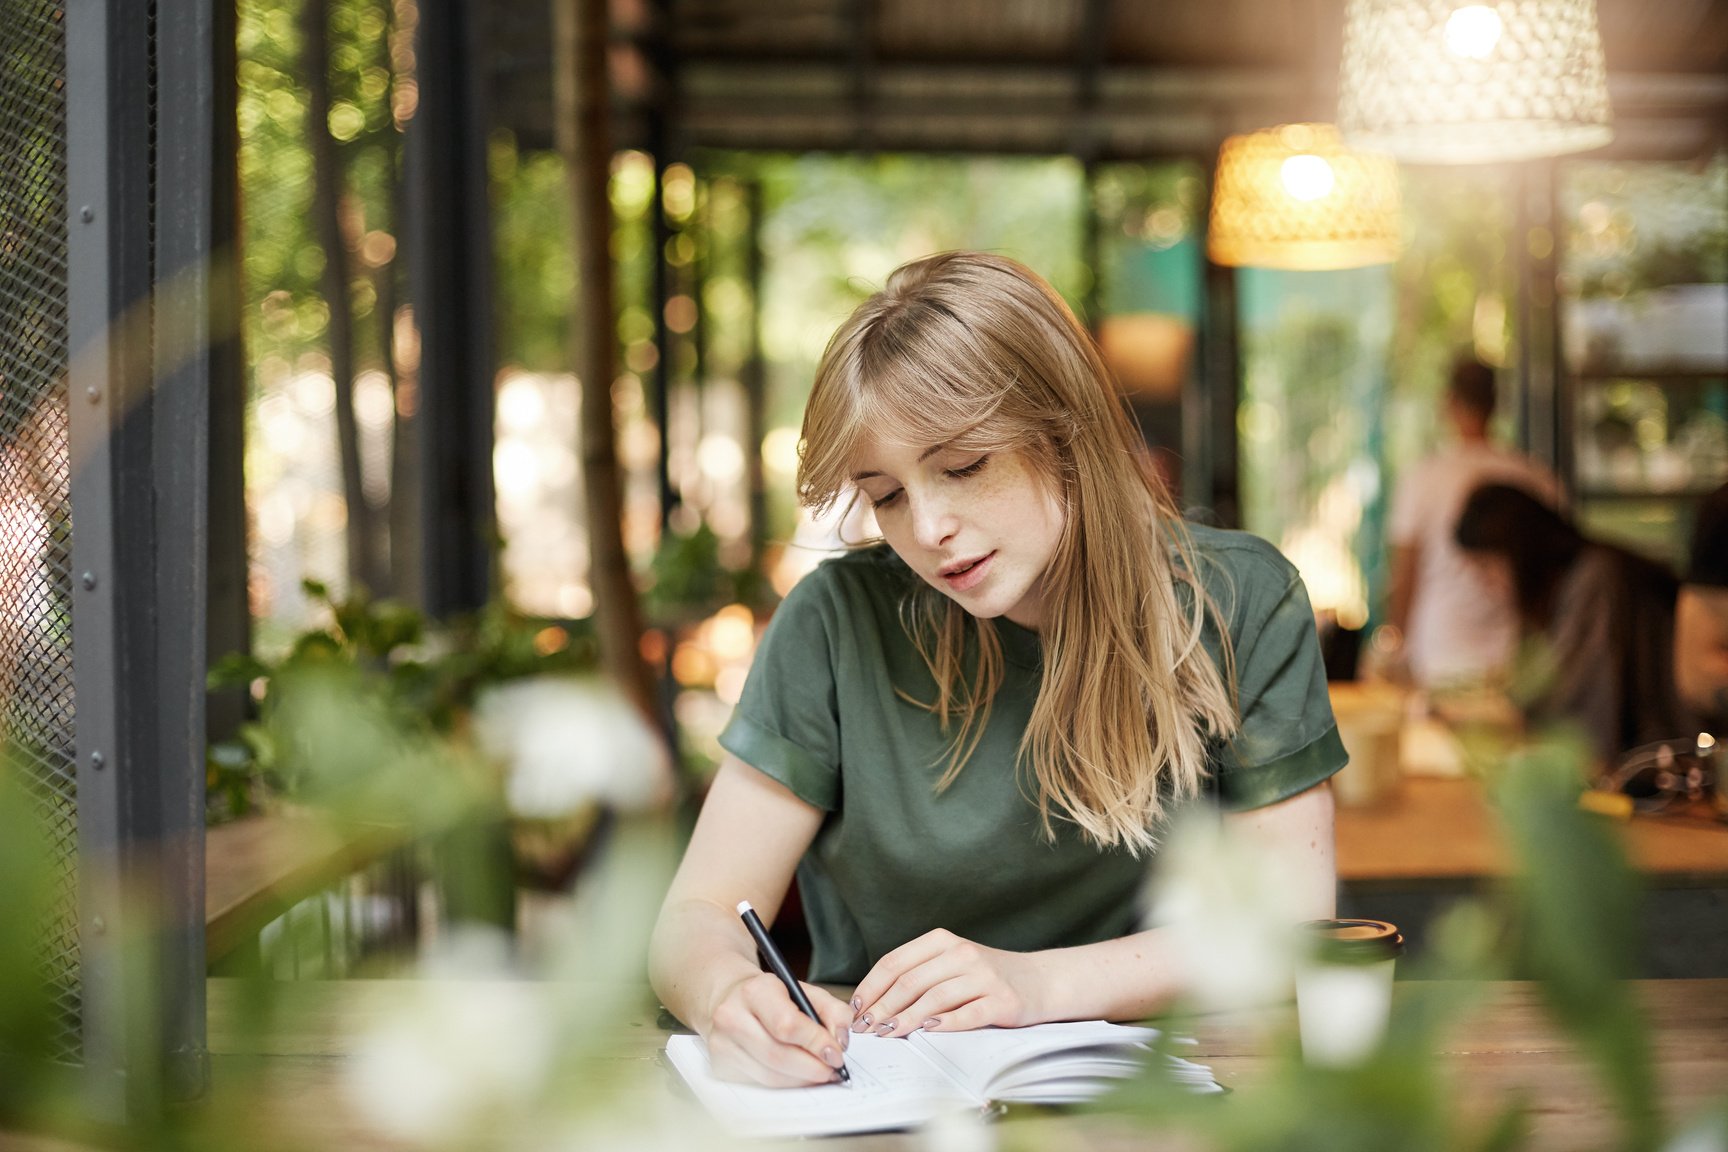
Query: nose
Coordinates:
[933,521]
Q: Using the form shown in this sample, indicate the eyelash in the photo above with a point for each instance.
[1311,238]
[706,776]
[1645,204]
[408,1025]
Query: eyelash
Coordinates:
[971,469]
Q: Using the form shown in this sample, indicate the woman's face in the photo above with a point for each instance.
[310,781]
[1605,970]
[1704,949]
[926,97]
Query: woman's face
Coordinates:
[979,527]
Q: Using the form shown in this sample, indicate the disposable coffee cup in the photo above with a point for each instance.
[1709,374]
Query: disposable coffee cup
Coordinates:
[1344,989]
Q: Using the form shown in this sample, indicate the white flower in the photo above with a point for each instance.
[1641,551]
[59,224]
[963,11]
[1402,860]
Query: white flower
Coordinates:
[466,1057]
[567,742]
[1226,906]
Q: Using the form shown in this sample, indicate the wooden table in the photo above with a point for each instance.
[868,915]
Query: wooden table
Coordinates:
[1442,830]
[1504,1046]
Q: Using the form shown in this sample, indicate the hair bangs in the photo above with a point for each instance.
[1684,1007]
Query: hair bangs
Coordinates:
[910,386]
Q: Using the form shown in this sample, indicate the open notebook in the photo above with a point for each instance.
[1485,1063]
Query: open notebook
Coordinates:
[899,1083]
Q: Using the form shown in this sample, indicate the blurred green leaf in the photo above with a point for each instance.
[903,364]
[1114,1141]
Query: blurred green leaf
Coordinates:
[26,1003]
[235,670]
[1577,904]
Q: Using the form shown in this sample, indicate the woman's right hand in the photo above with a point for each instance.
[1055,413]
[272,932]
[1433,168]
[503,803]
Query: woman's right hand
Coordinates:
[757,1034]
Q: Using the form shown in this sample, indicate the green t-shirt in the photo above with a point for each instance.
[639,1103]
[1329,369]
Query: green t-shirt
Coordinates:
[893,858]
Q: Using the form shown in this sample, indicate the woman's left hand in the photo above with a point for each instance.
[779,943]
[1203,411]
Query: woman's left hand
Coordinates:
[943,982]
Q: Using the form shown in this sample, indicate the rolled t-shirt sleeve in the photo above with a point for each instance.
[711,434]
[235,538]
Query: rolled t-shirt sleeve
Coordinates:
[1287,741]
[786,724]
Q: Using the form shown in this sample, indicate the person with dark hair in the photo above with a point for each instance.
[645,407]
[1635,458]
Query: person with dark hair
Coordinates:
[1604,616]
[1701,615]
[1454,622]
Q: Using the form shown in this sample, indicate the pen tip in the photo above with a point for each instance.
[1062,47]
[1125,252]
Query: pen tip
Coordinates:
[743,907]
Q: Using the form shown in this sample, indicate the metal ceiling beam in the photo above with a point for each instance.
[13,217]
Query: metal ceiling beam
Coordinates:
[1088,75]
[862,65]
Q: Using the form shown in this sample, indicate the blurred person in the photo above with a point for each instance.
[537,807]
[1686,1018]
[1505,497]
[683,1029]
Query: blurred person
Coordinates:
[967,737]
[1454,620]
[1701,616]
[1603,617]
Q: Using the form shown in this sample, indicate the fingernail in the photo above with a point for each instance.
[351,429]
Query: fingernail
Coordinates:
[886,1027]
[844,1036]
[857,1004]
[932,1022]
[862,1023]
[831,1058]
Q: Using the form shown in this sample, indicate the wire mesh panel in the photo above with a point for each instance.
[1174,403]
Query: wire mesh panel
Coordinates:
[36,717]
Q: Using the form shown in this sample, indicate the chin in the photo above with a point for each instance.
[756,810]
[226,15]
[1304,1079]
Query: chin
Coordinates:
[987,608]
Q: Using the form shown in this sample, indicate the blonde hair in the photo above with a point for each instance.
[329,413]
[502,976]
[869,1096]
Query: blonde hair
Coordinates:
[977,351]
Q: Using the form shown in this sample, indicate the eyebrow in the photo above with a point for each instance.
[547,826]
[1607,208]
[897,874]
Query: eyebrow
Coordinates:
[923,456]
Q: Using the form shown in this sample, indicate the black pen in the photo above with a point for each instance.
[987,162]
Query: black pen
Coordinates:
[777,965]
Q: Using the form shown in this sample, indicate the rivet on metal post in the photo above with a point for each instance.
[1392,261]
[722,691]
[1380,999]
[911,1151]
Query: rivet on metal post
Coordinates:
[98,925]
[86,213]
[93,394]
[88,580]
[97,761]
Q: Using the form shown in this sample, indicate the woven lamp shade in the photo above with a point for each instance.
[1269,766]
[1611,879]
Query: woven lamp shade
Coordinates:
[1295,197]
[1438,82]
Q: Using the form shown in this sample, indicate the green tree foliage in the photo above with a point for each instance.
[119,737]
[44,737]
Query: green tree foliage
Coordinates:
[284,316]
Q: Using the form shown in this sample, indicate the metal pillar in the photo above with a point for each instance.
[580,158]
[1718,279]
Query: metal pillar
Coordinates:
[139,326]
[229,617]
[754,374]
[450,258]
[1211,478]
[1542,416]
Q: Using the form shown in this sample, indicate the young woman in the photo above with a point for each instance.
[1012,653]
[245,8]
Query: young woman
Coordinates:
[966,738]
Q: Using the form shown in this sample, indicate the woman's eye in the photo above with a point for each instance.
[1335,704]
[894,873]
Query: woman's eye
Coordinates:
[971,469]
[886,500]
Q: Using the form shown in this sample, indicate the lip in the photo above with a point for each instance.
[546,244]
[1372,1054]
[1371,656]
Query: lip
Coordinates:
[960,581]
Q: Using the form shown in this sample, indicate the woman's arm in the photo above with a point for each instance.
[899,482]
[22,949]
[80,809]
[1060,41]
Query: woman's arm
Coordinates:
[701,961]
[943,982]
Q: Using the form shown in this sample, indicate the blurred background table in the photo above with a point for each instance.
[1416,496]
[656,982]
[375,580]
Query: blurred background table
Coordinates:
[1415,833]
[1442,830]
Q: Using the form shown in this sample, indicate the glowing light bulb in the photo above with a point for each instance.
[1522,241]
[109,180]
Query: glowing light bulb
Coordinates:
[1472,31]
[1306,176]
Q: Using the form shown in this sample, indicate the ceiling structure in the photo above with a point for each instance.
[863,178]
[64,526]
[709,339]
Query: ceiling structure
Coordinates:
[1097,79]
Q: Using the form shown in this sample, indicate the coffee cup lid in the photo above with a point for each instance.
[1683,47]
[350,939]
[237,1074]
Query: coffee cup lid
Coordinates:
[1355,941]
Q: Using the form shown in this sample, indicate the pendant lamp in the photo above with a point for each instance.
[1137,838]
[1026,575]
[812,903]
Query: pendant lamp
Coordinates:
[1442,82]
[1294,197]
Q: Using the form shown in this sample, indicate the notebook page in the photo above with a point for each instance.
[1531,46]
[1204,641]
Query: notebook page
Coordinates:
[975,1059]
[893,1086]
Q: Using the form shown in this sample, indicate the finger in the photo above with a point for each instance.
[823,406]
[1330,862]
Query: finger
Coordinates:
[768,1058]
[781,1018]
[979,1013]
[836,1014]
[887,970]
[736,1061]
[941,998]
[910,987]
[758,1035]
